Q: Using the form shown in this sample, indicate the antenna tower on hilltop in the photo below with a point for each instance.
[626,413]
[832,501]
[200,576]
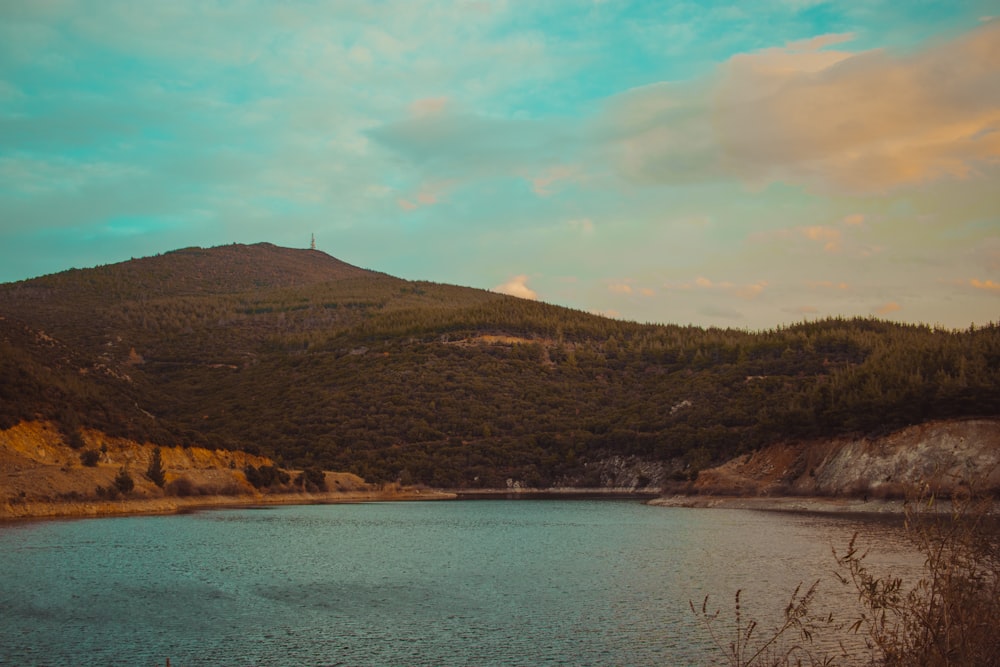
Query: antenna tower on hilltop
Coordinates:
[312,243]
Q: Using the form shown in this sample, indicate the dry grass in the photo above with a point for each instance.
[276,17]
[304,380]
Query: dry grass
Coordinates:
[949,618]
[788,644]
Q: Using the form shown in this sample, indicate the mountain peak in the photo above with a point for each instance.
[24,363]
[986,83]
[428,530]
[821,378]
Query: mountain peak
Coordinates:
[195,270]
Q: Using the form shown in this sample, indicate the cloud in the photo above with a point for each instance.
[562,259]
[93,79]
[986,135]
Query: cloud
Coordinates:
[804,239]
[582,225]
[32,175]
[517,286]
[887,308]
[661,133]
[718,312]
[751,291]
[747,291]
[544,184]
[863,122]
[428,195]
[465,143]
[626,288]
[429,106]
[828,236]
[829,120]
[985,285]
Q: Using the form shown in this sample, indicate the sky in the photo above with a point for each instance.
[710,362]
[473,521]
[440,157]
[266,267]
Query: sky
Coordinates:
[723,164]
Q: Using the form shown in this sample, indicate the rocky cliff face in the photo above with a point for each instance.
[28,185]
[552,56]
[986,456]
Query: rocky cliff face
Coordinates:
[38,469]
[938,456]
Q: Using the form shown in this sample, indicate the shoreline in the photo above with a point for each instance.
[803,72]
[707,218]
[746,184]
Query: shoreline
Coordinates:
[565,492]
[798,504]
[96,508]
[33,510]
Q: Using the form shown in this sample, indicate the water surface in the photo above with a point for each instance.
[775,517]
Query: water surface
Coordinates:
[444,583]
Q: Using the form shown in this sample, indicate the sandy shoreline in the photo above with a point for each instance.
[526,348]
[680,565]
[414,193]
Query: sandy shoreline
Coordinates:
[823,505]
[32,510]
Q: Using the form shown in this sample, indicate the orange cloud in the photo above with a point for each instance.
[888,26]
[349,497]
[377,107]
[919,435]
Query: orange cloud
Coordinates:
[544,183]
[744,291]
[854,220]
[429,106]
[829,284]
[985,285]
[829,236]
[517,286]
[751,291]
[428,195]
[620,288]
[886,308]
[828,119]
[850,121]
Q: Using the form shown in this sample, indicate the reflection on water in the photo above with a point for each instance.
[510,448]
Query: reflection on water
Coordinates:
[446,583]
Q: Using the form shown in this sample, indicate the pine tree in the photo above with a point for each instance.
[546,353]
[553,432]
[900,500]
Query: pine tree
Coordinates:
[155,470]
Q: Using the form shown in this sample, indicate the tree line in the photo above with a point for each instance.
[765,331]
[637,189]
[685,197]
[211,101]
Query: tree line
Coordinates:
[448,386]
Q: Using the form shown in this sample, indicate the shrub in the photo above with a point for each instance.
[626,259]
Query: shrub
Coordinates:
[90,457]
[74,439]
[950,617]
[181,487]
[266,476]
[749,648]
[311,479]
[124,482]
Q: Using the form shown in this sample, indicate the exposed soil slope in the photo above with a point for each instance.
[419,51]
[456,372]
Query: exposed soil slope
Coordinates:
[41,476]
[936,456]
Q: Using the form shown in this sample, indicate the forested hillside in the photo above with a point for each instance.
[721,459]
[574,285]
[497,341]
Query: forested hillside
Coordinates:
[299,356]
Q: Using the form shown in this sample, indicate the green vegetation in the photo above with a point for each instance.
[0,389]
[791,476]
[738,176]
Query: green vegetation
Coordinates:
[311,479]
[295,355]
[266,477]
[155,472]
[122,486]
[124,482]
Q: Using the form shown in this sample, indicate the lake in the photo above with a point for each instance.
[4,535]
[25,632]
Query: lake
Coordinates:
[503,582]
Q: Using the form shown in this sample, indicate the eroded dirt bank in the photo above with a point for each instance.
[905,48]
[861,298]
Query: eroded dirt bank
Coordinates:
[936,457]
[41,476]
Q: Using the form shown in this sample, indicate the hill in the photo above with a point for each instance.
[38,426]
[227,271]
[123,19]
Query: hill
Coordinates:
[296,355]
